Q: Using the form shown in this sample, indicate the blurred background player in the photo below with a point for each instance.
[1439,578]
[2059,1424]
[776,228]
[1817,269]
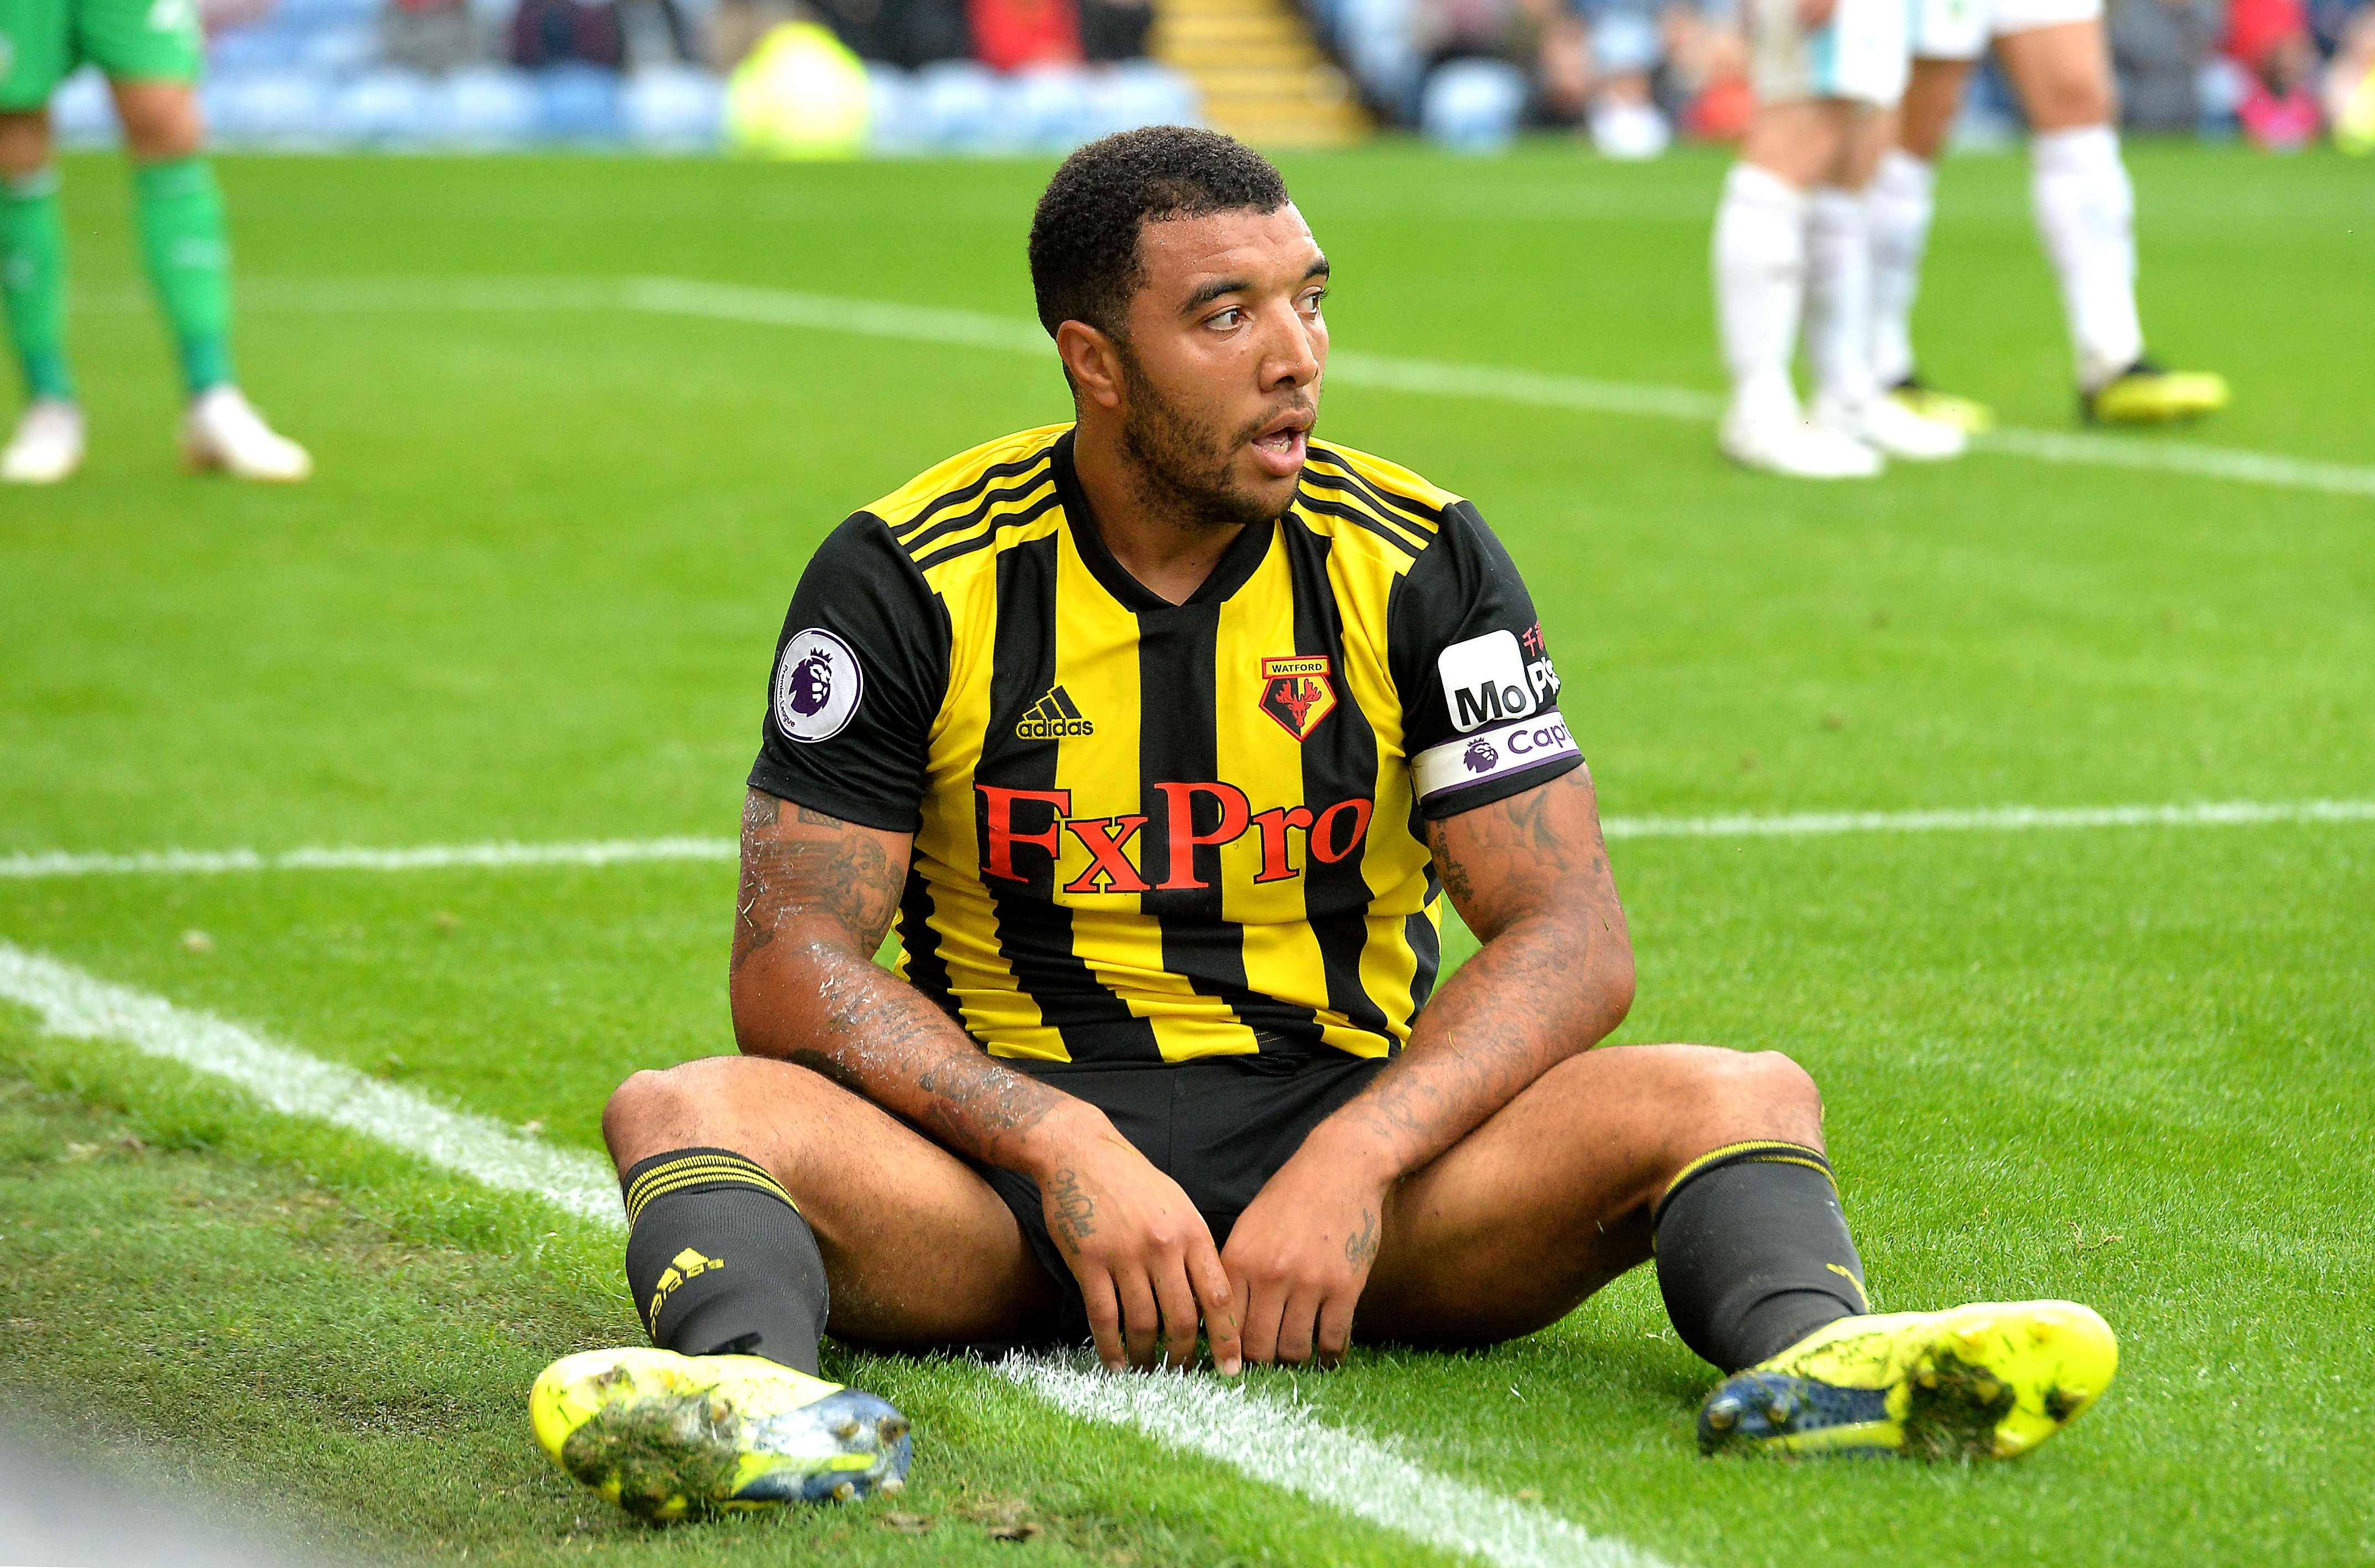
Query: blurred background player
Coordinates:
[150,51]
[2054,53]
[1791,238]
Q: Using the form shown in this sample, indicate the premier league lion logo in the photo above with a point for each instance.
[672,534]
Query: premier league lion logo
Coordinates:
[810,685]
[1480,757]
[819,683]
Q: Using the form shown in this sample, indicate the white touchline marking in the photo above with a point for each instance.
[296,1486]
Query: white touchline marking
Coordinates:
[1268,1441]
[979,329]
[82,1007]
[1991,819]
[35,865]
[1280,1443]
[425,857]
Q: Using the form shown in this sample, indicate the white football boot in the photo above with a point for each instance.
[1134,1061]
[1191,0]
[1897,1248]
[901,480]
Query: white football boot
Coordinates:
[1883,423]
[48,445]
[222,430]
[1776,440]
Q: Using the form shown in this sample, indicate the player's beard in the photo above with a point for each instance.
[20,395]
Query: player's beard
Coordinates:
[1182,464]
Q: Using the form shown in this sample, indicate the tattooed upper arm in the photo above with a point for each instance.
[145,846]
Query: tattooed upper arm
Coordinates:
[825,877]
[1533,852]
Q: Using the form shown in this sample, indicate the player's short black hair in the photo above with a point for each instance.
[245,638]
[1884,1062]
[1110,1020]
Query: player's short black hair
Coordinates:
[1085,259]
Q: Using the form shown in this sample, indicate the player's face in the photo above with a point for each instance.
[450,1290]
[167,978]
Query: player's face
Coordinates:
[1222,363]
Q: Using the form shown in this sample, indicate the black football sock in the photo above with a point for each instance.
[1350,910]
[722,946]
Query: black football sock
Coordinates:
[720,1261]
[1753,1252]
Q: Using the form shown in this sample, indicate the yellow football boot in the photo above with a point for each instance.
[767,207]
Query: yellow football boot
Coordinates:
[665,1435]
[1967,415]
[2145,394]
[1989,1381]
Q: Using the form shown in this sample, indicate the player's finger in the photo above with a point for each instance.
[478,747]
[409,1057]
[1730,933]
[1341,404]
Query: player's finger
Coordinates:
[1216,1294]
[1140,1317]
[1262,1305]
[1104,1316]
[1335,1328]
[1177,1298]
[1296,1320]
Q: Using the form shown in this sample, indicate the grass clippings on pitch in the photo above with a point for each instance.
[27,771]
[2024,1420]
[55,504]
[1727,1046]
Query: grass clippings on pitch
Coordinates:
[531,595]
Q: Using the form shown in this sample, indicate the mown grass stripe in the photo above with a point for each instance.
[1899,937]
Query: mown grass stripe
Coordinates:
[1269,1441]
[979,329]
[34,866]
[82,1007]
[1285,1445]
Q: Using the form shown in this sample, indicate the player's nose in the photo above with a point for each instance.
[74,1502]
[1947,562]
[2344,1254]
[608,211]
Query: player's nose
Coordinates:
[1293,357]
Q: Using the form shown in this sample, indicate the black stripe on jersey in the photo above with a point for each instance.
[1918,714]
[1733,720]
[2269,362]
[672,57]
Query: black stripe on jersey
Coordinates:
[1035,932]
[988,536]
[1340,762]
[969,491]
[1345,477]
[1361,517]
[926,971]
[1177,658]
[1426,947]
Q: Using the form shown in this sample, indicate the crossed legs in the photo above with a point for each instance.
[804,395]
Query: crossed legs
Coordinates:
[1505,1233]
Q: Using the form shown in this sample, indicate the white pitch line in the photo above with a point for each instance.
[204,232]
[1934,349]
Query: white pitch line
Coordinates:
[1992,819]
[82,1007]
[35,866]
[424,857]
[1285,1445]
[979,329]
[1269,1441]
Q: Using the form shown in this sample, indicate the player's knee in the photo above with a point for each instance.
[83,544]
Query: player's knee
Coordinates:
[1737,1090]
[1778,1080]
[684,1105]
[646,1099]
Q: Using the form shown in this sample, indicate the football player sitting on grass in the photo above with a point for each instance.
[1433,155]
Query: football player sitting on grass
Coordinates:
[1159,740]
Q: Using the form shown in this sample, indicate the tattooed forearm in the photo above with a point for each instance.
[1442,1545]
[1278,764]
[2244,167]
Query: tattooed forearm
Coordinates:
[1529,874]
[840,872]
[817,896]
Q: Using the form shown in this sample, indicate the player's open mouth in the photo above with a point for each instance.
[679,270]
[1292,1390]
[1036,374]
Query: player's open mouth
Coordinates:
[1279,447]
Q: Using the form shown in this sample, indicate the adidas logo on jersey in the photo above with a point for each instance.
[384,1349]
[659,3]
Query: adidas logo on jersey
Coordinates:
[1053,717]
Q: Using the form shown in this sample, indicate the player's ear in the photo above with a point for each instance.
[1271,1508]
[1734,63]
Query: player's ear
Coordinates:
[1092,363]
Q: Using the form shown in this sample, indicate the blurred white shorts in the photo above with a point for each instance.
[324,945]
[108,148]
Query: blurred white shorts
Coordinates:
[1859,53]
[1959,30]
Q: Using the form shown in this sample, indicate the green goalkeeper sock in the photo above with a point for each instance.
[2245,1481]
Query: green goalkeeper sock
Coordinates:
[187,247]
[33,279]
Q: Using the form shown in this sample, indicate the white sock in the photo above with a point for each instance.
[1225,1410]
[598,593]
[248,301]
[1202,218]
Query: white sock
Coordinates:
[1898,206]
[2087,213]
[1760,281]
[1839,298]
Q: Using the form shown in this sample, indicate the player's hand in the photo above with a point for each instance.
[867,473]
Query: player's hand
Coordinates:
[1812,14]
[1300,1256]
[1144,1257]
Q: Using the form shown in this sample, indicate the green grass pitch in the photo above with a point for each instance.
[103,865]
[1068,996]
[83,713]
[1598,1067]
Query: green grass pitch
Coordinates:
[532,594]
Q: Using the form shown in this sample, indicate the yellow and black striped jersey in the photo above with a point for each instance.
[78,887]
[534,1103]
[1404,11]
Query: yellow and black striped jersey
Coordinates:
[1147,831]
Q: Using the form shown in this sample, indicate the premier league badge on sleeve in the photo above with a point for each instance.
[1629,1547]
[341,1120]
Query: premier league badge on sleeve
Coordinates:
[818,684]
[1299,693]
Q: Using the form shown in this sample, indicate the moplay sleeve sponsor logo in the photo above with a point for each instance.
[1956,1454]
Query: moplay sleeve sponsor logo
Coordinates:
[818,685]
[1485,681]
[1492,754]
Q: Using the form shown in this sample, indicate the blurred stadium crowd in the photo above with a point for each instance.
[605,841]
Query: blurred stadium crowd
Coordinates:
[989,76]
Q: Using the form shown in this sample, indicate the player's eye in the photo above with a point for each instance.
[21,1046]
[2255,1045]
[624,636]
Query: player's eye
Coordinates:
[1311,301]
[1234,316]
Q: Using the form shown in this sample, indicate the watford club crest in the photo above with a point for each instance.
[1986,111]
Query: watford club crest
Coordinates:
[1297,693]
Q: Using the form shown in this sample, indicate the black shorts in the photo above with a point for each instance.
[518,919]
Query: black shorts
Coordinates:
[1220,1126]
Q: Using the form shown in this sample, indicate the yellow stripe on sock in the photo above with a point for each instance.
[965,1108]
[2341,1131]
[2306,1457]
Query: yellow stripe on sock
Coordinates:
[695,1170]
[1759,1151]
